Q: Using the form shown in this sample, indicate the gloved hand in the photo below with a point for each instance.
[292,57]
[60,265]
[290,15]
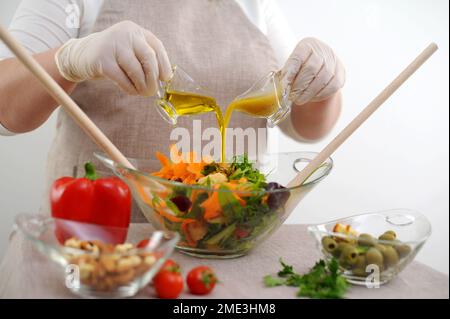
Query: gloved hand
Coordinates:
[313,71]
[131,56]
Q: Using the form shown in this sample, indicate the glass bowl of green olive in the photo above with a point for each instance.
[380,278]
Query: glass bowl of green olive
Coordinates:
[372,248]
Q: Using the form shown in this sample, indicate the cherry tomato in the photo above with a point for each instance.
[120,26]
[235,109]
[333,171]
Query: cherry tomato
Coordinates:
[168,284]
[143,243]
[240,233]
[170,265]
[201,280]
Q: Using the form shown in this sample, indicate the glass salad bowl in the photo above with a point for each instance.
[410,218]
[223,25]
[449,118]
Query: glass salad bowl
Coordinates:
[220,220]
[91,264]
[373,248]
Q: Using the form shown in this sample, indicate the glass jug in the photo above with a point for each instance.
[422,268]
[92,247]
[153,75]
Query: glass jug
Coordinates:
[267,98]
[181,95]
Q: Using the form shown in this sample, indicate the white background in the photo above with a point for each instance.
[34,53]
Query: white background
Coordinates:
[399,158]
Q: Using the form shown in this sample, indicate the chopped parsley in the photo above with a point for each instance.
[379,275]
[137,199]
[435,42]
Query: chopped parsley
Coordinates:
[323,280]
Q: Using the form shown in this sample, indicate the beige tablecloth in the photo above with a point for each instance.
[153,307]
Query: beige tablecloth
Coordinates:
[24,273]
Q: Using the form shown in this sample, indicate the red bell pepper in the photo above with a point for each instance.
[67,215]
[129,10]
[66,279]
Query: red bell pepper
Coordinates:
[90,199]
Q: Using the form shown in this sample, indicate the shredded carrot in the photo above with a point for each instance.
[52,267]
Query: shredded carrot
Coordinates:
[243,189]
[159,207]
[184,168]
[169,216]
[212,206]
[163,159]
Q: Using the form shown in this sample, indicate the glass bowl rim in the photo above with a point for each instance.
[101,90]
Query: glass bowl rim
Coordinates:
[315,227]
[111,164]
[46,221]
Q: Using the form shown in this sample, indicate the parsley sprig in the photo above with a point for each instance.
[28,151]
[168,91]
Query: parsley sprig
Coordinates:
[323,281]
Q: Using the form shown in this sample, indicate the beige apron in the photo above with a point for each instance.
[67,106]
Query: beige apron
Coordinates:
[212,40]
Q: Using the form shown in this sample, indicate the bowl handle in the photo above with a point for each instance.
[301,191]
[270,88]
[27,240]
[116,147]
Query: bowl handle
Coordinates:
[30,225]
[400,219]
[314,231]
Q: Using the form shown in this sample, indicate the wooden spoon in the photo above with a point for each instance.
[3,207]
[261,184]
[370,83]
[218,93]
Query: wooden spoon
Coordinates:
[53,88]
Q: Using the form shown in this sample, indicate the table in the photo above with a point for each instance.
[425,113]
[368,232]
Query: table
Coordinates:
[25,273]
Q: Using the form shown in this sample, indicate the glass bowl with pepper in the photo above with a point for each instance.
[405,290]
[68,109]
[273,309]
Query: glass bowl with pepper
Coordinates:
[92,263]
[220,210]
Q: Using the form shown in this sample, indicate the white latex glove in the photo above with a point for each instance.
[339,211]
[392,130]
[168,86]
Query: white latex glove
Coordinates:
[313,71]
[131,56]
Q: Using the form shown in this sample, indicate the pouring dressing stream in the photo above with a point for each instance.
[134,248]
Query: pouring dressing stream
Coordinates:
[180,96]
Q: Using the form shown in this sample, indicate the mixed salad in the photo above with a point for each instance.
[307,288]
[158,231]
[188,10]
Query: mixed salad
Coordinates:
[229,206]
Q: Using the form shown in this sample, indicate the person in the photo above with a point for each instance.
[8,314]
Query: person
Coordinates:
[110,56]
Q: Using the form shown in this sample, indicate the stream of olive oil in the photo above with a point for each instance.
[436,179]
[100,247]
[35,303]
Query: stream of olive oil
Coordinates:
[194,104]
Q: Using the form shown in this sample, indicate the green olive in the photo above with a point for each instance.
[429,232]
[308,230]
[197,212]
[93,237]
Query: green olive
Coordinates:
[391,232]
[375,257]
[337,252]
[343,263]
[387,237]
[381,248]
[329,244]
[366,240]
[340,248]
[403,250]
[343,245]
[390,257]
[360,272]
[349,256]
[360,262]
